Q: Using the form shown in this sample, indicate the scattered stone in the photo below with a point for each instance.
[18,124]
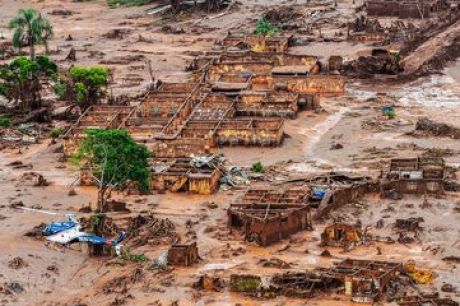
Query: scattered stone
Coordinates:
[17,263]
[14,287]
[411,224]
[453,259]
[116,33]
[72,192]
[19,164]
[274,263]
[448,288]
[172,30]
[36,232]
[61,12]
[53,268]
[33,179]
[336,146]
[16,204]
[326,253]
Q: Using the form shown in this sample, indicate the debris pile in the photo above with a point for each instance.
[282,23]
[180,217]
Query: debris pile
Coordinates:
[36,232]
[147,229]
[427,126]
[33,179]
[17,263]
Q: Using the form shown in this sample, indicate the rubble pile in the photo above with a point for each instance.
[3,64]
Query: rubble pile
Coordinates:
[36,232]
[17,263]
[427,126]
[147,229]
[33,179]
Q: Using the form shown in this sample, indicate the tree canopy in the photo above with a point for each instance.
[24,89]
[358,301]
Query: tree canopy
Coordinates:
[88,84]
[30,28]
[20,79]
[114,158]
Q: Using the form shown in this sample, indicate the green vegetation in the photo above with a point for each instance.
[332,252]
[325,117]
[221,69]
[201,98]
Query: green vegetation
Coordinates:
[55,133]
[257,167]
[127,255]
[115,3]
[5,122]
[30,29]
[389,111]
[89,84]
[20,80]
[113,158]
[60,88]
[248,284]
[265,28]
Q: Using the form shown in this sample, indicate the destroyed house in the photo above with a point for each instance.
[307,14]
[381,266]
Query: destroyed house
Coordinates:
[322,85]
[337,190]
[363,281]
[266,216]
[183,254]
[403,8]
[339,234]
[426,300]
[415,175]
[183,174]
[256,42]
[95,117]
[271,104]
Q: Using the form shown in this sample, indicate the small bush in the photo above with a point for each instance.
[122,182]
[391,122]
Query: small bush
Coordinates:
[265,28]
[257,167]
[60,89]
[55,133]
[389,112]
[5,122]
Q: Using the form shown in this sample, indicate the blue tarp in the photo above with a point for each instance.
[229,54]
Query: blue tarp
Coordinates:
[319,193]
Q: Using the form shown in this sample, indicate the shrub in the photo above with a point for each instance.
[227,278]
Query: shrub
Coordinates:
[5,122]
[257,167]
[265,28]
[60,89]
[88,84]
[55,133]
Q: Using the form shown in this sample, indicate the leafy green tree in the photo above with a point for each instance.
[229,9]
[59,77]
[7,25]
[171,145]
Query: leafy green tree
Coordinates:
[89,84]
[20,80]
[113,158]
[30,28]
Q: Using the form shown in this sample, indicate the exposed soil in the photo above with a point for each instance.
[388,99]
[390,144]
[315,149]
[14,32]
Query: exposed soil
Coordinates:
[350,134]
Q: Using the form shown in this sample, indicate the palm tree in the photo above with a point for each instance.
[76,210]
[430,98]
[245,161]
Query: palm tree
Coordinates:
[47,33]
[30,27]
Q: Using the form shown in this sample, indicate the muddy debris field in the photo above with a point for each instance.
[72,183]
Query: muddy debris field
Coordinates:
[230,152]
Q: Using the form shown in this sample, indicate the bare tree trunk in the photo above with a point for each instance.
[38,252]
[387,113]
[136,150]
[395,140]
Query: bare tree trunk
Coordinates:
[47,50]
[101,199]
[32,51]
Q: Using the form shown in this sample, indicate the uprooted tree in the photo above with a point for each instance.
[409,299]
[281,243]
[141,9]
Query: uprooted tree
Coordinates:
[21,80]
[113,159]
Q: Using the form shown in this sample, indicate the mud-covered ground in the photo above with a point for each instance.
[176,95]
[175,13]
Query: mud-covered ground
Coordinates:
[54,276]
